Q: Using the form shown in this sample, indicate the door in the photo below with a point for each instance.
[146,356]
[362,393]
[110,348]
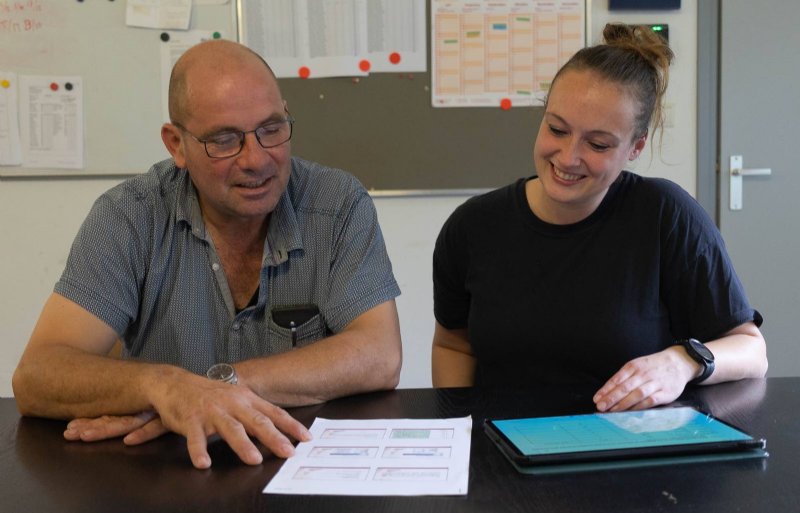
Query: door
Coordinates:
[759,119]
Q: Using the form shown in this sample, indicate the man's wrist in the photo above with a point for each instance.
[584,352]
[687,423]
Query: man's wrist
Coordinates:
[158,379]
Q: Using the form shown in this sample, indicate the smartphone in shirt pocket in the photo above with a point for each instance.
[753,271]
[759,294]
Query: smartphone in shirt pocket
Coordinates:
[292,317]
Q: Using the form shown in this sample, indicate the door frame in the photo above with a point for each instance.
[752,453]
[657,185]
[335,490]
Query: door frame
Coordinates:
[708,72]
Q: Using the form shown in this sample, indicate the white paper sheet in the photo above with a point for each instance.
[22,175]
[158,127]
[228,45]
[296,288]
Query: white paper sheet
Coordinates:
[10,148]
[308,38]
[379,457]
[160,14]
[501,53]
[171,51]
[51,121]
[396,35]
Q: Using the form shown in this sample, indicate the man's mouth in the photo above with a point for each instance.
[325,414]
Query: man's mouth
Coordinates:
[253,185]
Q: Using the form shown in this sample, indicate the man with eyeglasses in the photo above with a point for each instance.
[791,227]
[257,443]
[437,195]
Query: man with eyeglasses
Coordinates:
[237,277]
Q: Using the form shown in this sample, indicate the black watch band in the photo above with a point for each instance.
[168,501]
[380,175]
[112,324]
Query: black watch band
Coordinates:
[702,355]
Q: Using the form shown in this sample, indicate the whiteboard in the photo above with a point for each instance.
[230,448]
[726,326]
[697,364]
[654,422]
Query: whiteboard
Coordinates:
[120,67]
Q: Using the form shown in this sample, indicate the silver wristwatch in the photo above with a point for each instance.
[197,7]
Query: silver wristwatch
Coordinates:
[223,372]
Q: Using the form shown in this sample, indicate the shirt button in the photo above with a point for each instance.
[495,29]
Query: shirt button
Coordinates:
[215,266]
[236,326]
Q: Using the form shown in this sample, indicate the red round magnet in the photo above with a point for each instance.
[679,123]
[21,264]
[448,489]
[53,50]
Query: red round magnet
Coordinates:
[394,58]
[304,72]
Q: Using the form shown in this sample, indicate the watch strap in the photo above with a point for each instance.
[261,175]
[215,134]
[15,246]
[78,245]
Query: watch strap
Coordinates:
[705,362]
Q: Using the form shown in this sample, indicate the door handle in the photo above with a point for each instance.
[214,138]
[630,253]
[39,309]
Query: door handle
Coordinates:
[737,172]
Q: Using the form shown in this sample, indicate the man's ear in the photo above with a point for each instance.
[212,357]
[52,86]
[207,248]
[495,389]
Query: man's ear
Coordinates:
[173,140]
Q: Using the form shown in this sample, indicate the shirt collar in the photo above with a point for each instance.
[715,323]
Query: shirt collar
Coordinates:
[283,234]
[188,207]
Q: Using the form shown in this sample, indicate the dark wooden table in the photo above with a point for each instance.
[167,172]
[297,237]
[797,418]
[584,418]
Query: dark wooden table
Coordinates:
[40,472]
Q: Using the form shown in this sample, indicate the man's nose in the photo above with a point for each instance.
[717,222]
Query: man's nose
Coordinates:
[252,154]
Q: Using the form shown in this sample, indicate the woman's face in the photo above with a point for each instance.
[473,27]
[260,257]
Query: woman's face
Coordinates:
[586,138]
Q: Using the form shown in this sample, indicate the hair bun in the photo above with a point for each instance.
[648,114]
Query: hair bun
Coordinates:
[642,40]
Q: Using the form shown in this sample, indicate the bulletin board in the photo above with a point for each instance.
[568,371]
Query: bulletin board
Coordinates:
[382,128]
[119,66]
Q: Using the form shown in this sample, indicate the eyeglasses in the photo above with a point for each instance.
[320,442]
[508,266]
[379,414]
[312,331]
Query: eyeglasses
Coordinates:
[228,144]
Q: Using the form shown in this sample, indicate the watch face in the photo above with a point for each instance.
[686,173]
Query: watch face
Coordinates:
[221,372]
[701,350]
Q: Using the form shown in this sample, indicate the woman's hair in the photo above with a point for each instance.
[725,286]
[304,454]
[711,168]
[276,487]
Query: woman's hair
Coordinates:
[636,58]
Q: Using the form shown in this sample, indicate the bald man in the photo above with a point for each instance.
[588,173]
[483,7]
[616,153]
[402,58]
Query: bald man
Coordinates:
[238,278]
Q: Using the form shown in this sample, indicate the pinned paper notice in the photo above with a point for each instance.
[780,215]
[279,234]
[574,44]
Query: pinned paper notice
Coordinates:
[329,38]
[51,121]
[161,14]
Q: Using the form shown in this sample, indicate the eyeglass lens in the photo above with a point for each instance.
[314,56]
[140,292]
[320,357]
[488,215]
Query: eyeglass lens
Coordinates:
[231,143]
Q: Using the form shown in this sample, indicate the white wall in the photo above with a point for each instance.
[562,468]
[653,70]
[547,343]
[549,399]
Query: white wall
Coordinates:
[677,158]
[39,218]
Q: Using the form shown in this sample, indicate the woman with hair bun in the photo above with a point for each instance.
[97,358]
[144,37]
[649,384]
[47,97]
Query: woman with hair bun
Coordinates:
[586,273]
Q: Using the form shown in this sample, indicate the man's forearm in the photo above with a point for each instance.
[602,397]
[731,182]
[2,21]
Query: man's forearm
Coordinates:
[330,368]
[64,382]
[366,356]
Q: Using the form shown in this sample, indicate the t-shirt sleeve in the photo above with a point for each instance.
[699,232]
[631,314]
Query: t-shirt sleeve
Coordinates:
[105,266]
[704,295]
[361,273]
[451,299]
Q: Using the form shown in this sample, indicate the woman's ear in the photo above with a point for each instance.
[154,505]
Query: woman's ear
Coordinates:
[638,146]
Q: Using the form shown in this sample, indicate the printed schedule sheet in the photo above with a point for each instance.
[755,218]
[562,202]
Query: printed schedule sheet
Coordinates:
[379,457]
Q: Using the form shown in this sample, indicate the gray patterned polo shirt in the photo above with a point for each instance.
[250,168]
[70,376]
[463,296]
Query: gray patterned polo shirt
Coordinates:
[143,263]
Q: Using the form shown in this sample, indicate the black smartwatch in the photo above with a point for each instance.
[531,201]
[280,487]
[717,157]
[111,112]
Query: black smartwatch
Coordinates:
[701,354]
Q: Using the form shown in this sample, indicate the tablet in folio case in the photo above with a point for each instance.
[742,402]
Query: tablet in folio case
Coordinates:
[613,440]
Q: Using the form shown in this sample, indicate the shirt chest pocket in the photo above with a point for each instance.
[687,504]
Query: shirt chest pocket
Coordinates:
[296,326]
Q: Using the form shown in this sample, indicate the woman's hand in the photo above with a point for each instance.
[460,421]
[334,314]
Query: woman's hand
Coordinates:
[648,381]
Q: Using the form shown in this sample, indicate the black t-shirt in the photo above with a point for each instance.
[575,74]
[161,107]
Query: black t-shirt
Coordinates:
[573,303]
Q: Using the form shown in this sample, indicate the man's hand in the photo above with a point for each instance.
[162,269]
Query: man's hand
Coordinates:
[647,381]
[198,408]
[136,429]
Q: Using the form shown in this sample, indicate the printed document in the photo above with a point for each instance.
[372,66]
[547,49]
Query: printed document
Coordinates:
[51,121]
[332,38]
[159,14]
[379,457]
[486,54]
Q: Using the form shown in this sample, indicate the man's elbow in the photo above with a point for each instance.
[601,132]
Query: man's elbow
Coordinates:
[21,386]
[393,379]
[388,375]
[32,394]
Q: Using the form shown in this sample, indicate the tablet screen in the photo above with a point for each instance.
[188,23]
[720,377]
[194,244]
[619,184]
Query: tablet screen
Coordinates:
[613,431]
